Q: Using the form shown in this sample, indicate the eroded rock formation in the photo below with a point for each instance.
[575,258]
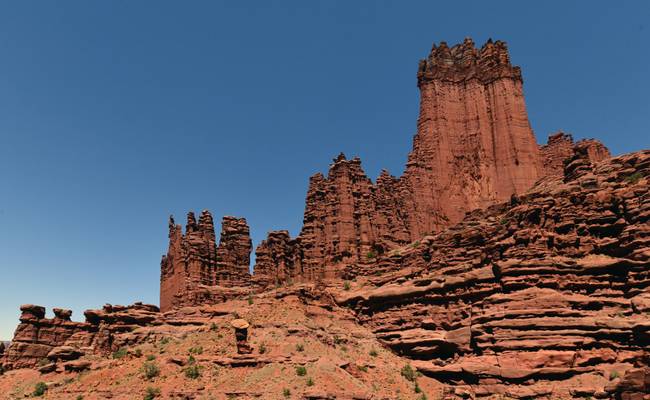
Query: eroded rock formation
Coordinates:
[551,286]
[40,341]
[194,263]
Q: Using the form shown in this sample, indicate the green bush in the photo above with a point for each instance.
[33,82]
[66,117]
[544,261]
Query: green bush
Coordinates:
[613,375]
[310,382]
[362,368]
[300,347]
[193,371]
[213,327]
[373,352]
[262,348]
[371,255]
[408,373]
[138,353]
[301,371]
[151,393]
[151,357]
[80,397]
[250,299]
[417,388]
[150,370]
[286,392]
[634,178]
[39,389]
[196,350]
[346,285]
[165,340]
[120,353]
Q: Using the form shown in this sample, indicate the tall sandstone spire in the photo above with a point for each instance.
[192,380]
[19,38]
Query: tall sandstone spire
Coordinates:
[474,145]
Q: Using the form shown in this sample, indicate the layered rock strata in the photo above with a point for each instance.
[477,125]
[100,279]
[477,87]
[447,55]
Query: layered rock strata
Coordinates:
[553,286]
[40,341]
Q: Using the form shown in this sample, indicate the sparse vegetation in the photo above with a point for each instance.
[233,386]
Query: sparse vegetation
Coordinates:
[262,348]
[165,341]
[300,347]
[39,389]
[613,375]
[371,255]
[417,388]
[286,392]
[213,327]
[373,352]
[362,368]
[151,393]
[634,178]
[150,370]
[301,371]
[193,371]
[415,244]
[408,373]
[310,382]
[120,353]
[138,353]
[250,300]
[80,397]
[151,357]
[346,285]
[196,350]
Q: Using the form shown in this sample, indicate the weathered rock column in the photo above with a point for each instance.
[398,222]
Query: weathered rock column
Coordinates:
[241,335]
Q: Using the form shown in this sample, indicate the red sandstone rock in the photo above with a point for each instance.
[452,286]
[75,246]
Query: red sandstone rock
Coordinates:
[194,261]
[550,286]
[38,338]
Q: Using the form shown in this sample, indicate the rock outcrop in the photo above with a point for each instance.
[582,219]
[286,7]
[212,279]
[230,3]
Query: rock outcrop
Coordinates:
[195,262]
[543,293]
[40,341]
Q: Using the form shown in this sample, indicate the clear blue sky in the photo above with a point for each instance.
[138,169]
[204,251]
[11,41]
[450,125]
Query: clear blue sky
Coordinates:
[115,114]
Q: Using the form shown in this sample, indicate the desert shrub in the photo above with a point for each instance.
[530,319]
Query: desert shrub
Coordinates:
[250,299]
[634,178]
[138,353]
[301,371]
[151,357]
[371,255]
[120,353]
[310,382]
[262,348]
[346,285]
[39,389]
[165,340]
[151,393]
[196,350]
[193,371]
[80,397]
[613,375]
[362,368]
[408,373]
[373,352]
[300,347]
[150,370]
[213,327]
[286,392]
[417,388]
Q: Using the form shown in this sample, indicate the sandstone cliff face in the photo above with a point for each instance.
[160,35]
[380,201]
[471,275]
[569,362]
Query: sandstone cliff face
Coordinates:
[550,287]
[194,259]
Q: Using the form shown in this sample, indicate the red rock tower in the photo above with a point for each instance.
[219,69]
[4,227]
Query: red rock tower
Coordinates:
[474,145]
